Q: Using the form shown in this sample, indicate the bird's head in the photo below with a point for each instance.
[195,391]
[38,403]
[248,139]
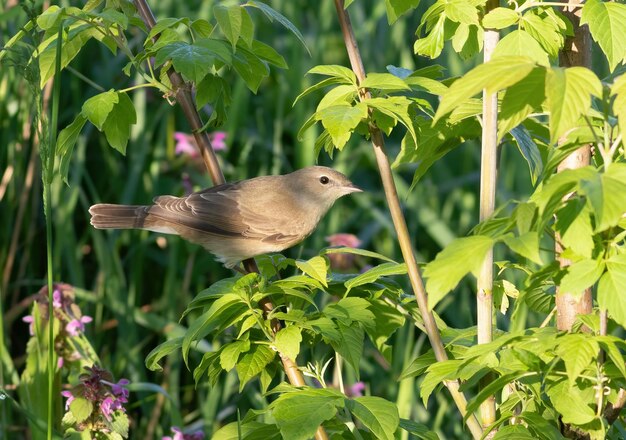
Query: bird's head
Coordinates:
[321,186]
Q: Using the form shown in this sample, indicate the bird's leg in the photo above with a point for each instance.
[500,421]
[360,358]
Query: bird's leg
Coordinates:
[239,269]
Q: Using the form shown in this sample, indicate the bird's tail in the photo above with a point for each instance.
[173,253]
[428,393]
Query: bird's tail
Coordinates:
[105,216]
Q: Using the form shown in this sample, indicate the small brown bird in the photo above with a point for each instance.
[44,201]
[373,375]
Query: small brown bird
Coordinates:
[237,221]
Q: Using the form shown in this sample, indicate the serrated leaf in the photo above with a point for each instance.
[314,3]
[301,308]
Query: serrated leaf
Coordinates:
[268,54]
[50,17]
[350,345]
[230,20]
[607,195]
[418,365]
[253,362]
[568,93]
[120,424]
[97,108]
[520,100]
[437,373]
[287,341]
[377,414]
[581,275]
[493,387]
[191,60]
[618,89]
[461,11]
[160,351]
[526,245]
[569,402]
[493,76]
[607,24]
[500,18]
[81,408]
[229,354]
[397,8]
[162,24]
[460,257]
[545,31]
[419,430]
[117,125]
[514,432]
[65,143]
[341,120]
[398,108]
[384,81]
[520,43]
[250,67]
[342,73]
[611,289]
[432,44]
[579,352]
[373,274]
[298,414]
[316,268]
[350,309]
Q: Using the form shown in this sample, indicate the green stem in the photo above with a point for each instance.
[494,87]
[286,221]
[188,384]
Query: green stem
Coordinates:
[56,94]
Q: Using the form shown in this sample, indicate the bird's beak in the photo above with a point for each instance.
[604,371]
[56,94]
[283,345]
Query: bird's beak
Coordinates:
[352,188]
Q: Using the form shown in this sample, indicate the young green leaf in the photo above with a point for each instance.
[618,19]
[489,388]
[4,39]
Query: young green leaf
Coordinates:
[520,43]
[350,345]
[570,403]
[432,44]
[230,20]
[316,268]
[341,120]
[397,8]
[384,81]
[520,100]
[160,351]
[377,414]
[287,341]
[117,125]
[419,430]
[373,274]
[581,275]
[607,24]
[253,362]
[193,61]
[579,352]
[275,15]
[545,31]
[97,108]
[500,18]
[66,141]
[529,151]
[461,11]
[460,257]
[229,354]
[81,408]
[611,289]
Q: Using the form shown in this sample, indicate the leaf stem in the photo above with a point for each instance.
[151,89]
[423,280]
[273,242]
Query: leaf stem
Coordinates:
[399,222]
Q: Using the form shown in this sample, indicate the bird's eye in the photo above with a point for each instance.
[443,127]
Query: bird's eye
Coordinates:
[324,180]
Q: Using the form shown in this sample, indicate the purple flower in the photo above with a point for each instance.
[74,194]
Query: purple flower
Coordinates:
[120,390]
[356,390]
[56,299]
[69,396]
[31,323]
[76,326]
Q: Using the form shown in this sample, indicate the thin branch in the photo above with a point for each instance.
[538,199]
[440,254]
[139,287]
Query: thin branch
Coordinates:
[399,222]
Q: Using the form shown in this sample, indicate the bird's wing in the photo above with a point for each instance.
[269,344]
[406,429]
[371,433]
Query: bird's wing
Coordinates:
[217,211]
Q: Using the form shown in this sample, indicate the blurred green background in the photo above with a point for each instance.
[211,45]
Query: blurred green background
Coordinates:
[136,284]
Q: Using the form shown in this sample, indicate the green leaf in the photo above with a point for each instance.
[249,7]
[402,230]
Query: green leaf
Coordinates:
[437,373]
[468,40]
[461,11]
[350,345]
[570,403]
[50,17]
[418,365]
[252,430]
[520,43]
[287,341]
[350,309]
[117,125]
[253,362]
[419,430]
[377,414]
[526,245]
[581,275]
[529,151]
[229,18]
[397,8]
[120,423]
[298,414]
[545,31]
[316,268]
[202,27]
[611,289]
[250,67]
[341,120]
[191,60]
[268,54]
[387,319]
[578,352]
[81,408]
[66,141]
[97,108]
[342,73]
[618,89]
[460,257]
[607,195]
[384,81]
[432,44]
[493,76]
[274,15]
[500,18]
[514,432]
[160,351]
[215,90]
[398,108]
[373,274]
[607,24]
[493,387]
[520,100]
[164,23]
[71,46]
[229,354]
[355,251]
[568,93]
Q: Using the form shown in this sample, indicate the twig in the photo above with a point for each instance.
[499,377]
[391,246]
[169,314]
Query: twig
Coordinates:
[399,222]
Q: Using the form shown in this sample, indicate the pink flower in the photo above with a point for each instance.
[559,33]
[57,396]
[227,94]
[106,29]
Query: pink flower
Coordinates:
[31,323]
[179,435]
[120,390]
[76,326]
[217,139]
[184,144]
[60,362]
[356,390]
[107,407]
[56,299]
[342,239]
[69,396]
